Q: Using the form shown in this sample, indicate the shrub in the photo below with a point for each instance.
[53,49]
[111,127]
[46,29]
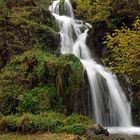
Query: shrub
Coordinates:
[44,122]
[77,119]
[123,53]
[36,82]
[77,124]
[78,129]
[36,100]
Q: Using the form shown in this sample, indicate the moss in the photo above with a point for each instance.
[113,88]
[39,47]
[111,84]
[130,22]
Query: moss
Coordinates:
[25,27]
[78,119]
[48,122]
[21,3]
[65,72]
[4,11]
[37,82]
[33,17]
[36,100]
[43,3]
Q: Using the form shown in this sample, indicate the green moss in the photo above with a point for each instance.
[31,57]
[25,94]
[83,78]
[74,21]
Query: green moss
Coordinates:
[65,72]
[37,81]
[4,11]
[78,129]
[13,3]
[25,27]
[78,119]
[28,16]
[43,3]
[36,100]
[48,122]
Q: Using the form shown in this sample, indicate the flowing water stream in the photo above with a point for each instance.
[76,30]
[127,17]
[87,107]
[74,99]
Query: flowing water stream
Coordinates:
[110,106]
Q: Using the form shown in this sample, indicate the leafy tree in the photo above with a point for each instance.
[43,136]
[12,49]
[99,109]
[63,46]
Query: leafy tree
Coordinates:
[114,12]
[123,53]
[84,9]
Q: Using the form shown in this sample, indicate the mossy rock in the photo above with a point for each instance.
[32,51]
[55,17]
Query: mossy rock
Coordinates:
[44,3]
[44,122]
[34,78]
[20,3]
[24,28]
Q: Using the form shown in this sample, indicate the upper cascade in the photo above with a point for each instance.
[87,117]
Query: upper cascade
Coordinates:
[109,104]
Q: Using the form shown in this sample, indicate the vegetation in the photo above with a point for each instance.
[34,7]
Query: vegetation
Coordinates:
[36,81]
[115,35]
[49,121]
[33,79]
[37,87]
[123,55]
[48,136]
[24,25]
[115,13]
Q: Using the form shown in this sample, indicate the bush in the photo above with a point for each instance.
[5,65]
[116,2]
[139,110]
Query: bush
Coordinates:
[78,129]
[77,124]
[36,100]
[45,122]
[25,25]
[36,82]
[123,53]
[77,119]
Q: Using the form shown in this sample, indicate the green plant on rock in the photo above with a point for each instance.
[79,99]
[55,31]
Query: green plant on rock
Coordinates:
[37,81]
[4,11]
[43,3]
[46,122]
[36,100]
[71,71]
[78,119]
[23,27]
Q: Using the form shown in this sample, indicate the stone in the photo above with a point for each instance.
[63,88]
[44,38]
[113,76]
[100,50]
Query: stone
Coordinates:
[96,129]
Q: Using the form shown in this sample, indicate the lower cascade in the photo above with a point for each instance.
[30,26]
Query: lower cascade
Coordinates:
[109,104]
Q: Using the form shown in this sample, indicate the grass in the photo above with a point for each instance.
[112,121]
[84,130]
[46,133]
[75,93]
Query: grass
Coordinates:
[60,136]
[46,136]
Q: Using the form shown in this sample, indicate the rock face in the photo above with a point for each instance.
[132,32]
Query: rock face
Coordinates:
[82,99]
[96,129]
[50,81]
[135,108]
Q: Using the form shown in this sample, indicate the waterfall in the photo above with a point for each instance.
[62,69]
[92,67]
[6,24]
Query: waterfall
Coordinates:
[109,104]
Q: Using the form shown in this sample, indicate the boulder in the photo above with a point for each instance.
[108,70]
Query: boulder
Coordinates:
[96,129]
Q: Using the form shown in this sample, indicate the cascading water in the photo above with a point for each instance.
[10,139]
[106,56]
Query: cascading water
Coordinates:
[110,106]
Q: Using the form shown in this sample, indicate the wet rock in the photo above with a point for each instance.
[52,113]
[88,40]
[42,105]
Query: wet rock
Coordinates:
[82,102]
[95,38]
[135,108]
[96,129]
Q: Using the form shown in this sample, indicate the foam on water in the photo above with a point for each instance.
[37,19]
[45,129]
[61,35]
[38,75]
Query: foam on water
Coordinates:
[124,130]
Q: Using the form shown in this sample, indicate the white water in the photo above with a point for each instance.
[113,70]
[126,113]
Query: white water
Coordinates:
[109,103]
